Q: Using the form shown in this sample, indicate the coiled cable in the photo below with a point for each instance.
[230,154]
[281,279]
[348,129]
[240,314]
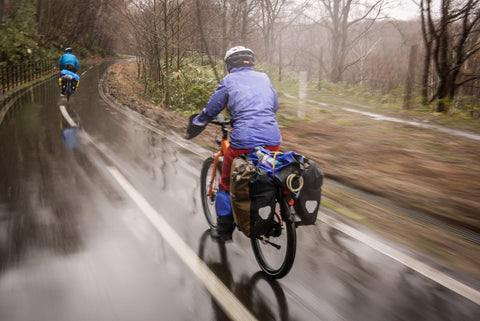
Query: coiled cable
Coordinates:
[290,181]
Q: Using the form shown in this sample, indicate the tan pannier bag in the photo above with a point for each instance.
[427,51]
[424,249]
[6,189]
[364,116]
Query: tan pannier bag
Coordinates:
[252,196]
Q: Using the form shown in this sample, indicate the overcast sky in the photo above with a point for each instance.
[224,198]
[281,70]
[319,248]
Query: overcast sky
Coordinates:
[404,10]
[409,9]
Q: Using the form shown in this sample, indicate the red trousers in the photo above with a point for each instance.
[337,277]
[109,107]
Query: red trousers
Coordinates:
[230,154]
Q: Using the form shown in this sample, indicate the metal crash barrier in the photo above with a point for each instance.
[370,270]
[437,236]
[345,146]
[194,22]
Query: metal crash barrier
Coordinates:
[12,76]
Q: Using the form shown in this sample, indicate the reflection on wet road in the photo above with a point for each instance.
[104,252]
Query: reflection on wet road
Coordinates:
[76,245]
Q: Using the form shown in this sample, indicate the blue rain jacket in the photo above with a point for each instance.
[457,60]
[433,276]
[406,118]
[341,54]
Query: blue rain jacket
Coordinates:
[68,58]
[252,102]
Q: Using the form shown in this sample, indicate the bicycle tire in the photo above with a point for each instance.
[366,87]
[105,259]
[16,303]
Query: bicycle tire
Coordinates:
[68,89]
[276,263]
[208,203]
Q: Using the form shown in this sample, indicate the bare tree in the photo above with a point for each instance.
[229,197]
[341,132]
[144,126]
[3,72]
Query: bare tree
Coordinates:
[410,77]
[270,12]
[428,43]
[163,33]
[89,24]
[236,21]
[341,16]
[361,52]
[450,41]
[4,6]
[204,39]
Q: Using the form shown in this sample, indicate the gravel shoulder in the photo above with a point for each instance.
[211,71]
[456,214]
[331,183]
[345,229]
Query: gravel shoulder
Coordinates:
[396,179]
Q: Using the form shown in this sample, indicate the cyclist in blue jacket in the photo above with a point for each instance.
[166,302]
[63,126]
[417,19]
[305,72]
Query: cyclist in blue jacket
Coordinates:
[252,103]
[69,61]
[68,65]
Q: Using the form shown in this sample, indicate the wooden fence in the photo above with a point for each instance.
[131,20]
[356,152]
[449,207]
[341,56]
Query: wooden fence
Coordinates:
[12,76]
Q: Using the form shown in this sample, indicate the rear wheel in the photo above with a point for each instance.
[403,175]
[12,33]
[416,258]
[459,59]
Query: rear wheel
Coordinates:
[276,261]
[68,89]
[208,202]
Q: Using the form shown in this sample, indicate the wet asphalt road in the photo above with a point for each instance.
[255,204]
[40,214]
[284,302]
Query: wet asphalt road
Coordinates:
[78,244]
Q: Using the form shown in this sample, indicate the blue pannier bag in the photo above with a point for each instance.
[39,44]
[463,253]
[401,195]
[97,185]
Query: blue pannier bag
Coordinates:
[278,165]
[66,72]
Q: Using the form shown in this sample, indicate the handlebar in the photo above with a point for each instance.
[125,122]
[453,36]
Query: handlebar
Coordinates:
[194,130]
[224,123]
[221,120]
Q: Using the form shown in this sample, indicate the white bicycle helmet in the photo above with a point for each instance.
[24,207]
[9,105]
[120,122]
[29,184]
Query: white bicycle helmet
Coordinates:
[238,50]
[239,56]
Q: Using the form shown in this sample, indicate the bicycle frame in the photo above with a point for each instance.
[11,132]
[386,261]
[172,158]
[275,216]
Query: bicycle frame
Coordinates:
[224,144]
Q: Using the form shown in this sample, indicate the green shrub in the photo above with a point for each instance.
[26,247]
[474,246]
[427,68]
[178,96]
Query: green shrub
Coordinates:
[19,36]
[101,52]
[191,88]
[82,52]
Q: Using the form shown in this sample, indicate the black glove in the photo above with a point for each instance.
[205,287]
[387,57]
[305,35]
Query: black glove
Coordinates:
[193,130]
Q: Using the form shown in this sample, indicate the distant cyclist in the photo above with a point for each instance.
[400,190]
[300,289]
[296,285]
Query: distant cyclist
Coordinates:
[69,61]
[68,64]
[252,102]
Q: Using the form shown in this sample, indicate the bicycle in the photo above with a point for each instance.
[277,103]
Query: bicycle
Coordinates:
[275,250]
[68,84]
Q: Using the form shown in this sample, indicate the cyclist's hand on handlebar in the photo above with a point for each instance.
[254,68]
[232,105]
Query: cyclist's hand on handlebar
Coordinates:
[192,129]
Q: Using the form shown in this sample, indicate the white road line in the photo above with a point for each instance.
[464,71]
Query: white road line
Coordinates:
[222,295]
[420,267]
[67,117]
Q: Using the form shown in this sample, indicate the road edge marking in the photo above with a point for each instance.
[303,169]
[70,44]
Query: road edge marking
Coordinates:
[67,117]
[222,295]
[416,265]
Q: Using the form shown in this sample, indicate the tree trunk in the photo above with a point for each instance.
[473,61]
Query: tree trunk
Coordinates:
[428,54]
[202,36]
[167,55]
[410,77]
[280,62]
[320,66]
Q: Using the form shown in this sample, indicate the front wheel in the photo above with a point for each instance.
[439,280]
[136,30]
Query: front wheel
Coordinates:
[208,201]
[276,261]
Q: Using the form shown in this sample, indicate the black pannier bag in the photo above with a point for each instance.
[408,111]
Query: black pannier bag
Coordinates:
[64,80]
[307,200]
[289,176]
[252,195]
[298,174]
[262,195]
